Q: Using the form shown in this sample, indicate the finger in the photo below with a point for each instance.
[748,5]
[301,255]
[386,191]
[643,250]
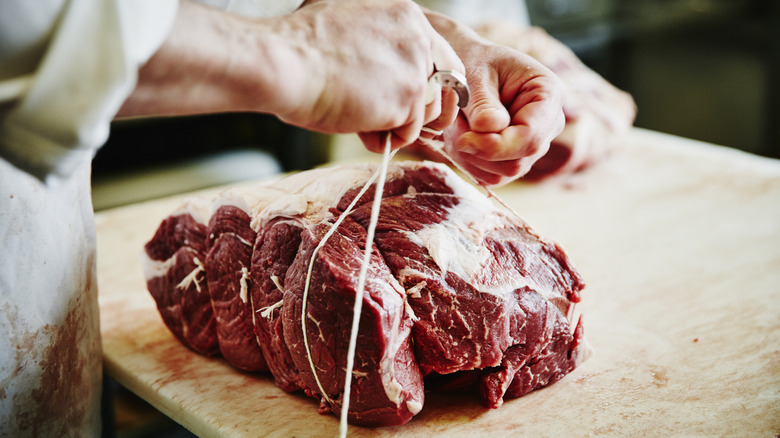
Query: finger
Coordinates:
[512,143]
[434,108]
[372,141]
[537,102]
[446,102]
[449,110]
[399,137]
[537,120]
[444,56]
[485,111]
[510,169]
[483,176]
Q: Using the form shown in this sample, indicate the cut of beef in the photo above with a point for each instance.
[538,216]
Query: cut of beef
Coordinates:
[173,265]
[231,240]
[275,249]
[387,385]
[459,293]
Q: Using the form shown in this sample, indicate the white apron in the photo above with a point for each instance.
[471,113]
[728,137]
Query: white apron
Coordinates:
[50,365]
[76,61]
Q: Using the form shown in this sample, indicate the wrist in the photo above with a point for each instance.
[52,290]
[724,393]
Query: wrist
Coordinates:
[282,65]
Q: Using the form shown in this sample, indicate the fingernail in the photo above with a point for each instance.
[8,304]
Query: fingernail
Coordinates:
[467,148]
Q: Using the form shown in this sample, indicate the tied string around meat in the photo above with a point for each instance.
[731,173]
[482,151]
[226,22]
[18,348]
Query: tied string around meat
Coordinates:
[437,145]
[380,174]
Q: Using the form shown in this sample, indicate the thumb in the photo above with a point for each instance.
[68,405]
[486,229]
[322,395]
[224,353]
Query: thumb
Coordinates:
[485,112]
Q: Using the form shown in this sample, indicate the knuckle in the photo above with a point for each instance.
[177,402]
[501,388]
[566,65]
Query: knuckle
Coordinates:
[513,168]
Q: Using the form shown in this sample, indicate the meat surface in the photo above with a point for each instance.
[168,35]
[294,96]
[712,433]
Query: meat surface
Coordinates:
[459,293]
[231,242]
[176,278]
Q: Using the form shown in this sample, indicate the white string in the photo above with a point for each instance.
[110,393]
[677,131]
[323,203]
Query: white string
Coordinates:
[435,132]
[305,298]
[431,143]
[380,187]
[381,174]
[322,242]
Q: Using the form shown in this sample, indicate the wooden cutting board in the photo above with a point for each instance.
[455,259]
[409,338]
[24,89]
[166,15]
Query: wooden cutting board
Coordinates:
[679,242]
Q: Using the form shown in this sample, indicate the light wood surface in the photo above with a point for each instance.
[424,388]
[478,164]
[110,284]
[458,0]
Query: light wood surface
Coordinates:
[679,243]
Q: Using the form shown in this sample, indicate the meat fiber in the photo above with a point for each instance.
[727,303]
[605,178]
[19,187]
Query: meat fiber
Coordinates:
[176,278]
[459,293]
[230,245]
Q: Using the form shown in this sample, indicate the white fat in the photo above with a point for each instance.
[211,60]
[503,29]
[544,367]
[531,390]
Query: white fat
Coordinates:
[197,207]
[461,187]
[155,268]
[410,311]
[393,390]
[319,329]
[452,249]
[267,312]
[244,284]
[285,204]
[358,374]
[414,291]
[192,276]
[457,246]
[407,271]
[584,352]
[233,197]
[414,406]
[278,285]
[237,236]
[310,193]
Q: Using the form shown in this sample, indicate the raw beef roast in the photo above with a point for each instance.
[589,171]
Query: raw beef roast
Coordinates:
[177,280]
[460,295]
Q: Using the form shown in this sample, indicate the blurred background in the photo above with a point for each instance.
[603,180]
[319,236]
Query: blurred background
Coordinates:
[702,69]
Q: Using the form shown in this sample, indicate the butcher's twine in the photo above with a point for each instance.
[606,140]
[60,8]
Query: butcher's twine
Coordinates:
[437,146]
[380,188]
[380,174]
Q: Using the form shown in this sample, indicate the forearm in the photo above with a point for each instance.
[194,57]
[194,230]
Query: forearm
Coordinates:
[331,66]
[216,62]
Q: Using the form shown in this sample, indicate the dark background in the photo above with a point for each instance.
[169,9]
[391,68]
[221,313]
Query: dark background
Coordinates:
[703,69]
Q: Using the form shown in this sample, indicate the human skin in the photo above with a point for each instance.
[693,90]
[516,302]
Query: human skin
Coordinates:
[515,111]
[331,66]
[597,113]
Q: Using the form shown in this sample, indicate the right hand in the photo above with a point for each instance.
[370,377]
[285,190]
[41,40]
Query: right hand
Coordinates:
[365,68]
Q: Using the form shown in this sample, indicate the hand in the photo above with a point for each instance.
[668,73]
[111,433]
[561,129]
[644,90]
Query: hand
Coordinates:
[514,113]
[331,66]
[369,69]
[597,113]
